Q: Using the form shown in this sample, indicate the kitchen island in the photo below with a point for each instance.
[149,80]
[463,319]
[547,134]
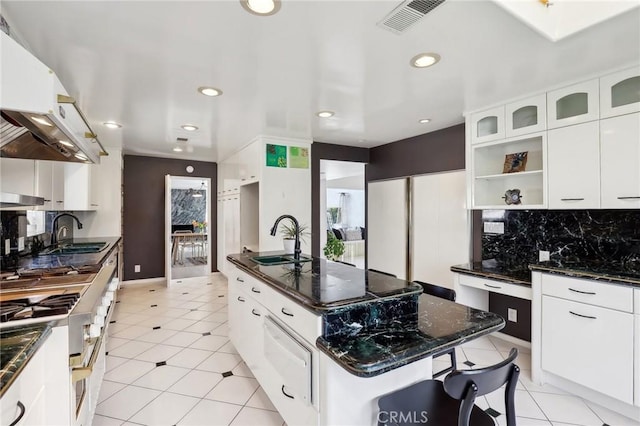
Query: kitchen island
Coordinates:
[326,340]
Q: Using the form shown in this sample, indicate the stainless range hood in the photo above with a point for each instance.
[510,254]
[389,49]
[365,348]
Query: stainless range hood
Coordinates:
[38,119]
[8,199]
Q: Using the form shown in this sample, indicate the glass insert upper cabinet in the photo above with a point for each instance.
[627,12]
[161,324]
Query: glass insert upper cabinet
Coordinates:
[573,104]
[487,125]
[526,116]
[620,93]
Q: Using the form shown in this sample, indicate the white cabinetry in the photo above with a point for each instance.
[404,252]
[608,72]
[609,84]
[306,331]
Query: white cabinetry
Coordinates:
[17,176]
[487,125]
[574,104]
[50,184]
[41,388]
[489,183]
[252,304]
[620,93]
[586,325]
[573,167]
[526,116]
[636,367]
[80,186]
[619,162]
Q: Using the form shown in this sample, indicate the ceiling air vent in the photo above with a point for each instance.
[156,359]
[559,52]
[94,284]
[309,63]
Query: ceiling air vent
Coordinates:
[407,14]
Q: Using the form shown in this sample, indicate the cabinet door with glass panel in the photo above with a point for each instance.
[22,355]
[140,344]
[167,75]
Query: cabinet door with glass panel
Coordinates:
[620,93]
[526,116]
[574,104]
[487,125]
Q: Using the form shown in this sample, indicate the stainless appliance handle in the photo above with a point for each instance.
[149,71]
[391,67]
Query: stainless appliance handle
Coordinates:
[81,373]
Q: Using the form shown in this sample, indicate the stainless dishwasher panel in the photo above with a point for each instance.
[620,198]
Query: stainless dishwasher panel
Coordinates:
[290,358]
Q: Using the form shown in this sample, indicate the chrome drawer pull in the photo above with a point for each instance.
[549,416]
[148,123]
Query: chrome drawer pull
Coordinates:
[240,298]
[22,411]
[253,311]
[286,394]
[583,316]
[239,279]
[492,286]
[285,312]
[582,292]
[571,199]
[253,289]
[619,198]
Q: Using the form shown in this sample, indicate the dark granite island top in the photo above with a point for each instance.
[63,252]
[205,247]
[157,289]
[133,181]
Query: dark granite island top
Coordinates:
[372,323]
[437,325]
[320,285]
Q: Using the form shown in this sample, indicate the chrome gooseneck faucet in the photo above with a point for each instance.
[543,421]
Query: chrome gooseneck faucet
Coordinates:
[54,226]
[274,229]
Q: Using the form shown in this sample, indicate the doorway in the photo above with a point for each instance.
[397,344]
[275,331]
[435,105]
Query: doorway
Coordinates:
[343,208]
[187,236]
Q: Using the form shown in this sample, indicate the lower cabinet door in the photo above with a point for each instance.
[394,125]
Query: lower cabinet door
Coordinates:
[291,407]
[589,345]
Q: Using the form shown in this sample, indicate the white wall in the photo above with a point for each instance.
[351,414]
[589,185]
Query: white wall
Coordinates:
[107,220]
[355,205]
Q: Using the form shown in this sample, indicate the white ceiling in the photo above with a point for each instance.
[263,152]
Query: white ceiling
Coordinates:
[140,63]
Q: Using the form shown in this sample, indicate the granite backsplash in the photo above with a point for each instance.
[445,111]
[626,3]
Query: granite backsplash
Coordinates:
[573,237]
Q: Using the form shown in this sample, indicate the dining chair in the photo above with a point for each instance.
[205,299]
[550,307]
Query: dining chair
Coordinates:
[452,402]
[448,294]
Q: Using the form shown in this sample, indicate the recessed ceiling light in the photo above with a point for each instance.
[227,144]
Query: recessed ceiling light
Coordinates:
[209,91]
[112,124]
[81,156]
[189,127]
[424,60]
[261,7]
[177,149]
[66,143]
[325,114]
[41,120]
[424,120]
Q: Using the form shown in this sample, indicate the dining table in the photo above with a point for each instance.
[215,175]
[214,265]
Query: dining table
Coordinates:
[183,239]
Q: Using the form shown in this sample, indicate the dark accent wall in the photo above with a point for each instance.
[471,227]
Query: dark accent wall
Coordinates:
[327,151]
[501,303]
[143,206]
[439,151]
[597,237]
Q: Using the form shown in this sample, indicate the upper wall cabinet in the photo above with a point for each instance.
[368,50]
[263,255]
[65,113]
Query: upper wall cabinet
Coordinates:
[526,116]
[620,93]
[619,159]
[572,105]
[487,125]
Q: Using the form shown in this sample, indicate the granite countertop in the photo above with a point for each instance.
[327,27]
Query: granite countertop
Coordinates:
[85,262]
[438,325]
[321,285]
[612,272]
[18,346]
[490,269]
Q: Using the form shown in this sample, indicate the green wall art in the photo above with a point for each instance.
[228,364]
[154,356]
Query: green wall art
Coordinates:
[276,155]
[298,157]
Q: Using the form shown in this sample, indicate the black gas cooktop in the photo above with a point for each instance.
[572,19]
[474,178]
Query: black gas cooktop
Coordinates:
[37,307]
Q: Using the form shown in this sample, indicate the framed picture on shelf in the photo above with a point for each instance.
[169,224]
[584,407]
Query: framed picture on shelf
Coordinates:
[514,163]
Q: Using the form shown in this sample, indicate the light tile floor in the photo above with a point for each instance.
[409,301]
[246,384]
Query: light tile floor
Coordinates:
[169,363]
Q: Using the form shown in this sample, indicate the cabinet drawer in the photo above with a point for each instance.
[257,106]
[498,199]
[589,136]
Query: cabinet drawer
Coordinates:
[249,285]
[523,292]
[307,324]
[589,345]
[636,303]
[589,291]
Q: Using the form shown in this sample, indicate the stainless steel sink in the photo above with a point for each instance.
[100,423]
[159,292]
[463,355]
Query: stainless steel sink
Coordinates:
[279,259]
[77,248]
